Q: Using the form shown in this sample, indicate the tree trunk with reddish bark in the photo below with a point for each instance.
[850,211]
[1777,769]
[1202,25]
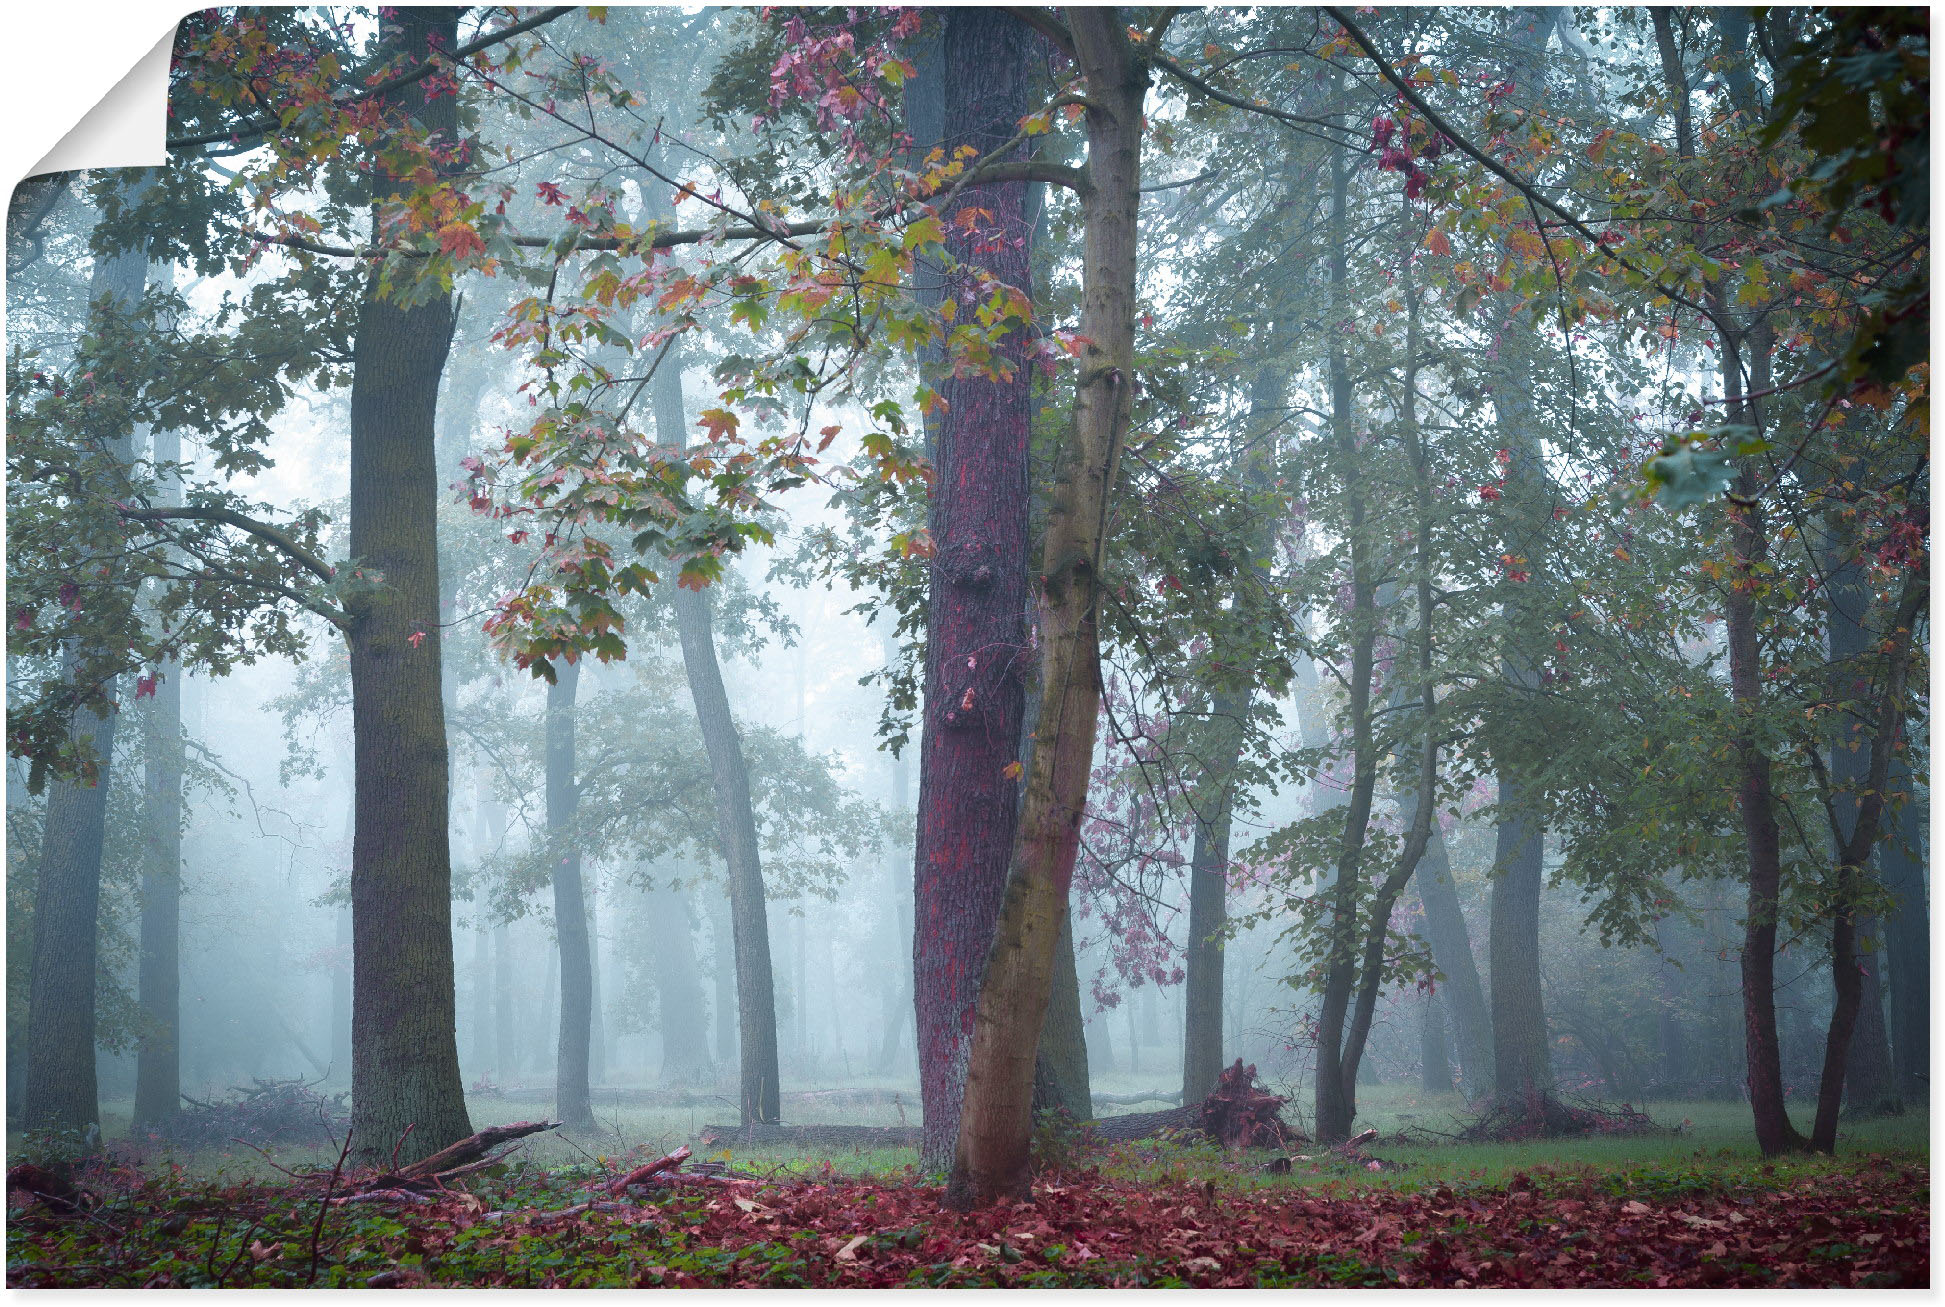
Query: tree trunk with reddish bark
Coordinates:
[977,652]
[995,1126]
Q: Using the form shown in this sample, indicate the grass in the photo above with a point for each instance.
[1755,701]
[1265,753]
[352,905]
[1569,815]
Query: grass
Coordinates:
[1452,1213]
[1703,1140]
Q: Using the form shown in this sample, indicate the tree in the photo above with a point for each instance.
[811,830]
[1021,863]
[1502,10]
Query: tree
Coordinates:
[976,648]
[60,1072]
[570,906]
[158,1070]
[990,1161]
[405,1058]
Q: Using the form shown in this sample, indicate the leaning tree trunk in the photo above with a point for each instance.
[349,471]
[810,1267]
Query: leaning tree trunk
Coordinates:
[405,1058]
[1451,941]
[1869,1081]
[756,1004]
[991,1160]
[60,1089]
[976,637]
[571,1101]
[760,1095]
[158,1054]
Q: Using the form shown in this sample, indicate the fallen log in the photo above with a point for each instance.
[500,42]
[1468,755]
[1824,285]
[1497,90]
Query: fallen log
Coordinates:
[642,1174]
[472,1148]
[1128,1100]
[811,1136]
[1142,1125]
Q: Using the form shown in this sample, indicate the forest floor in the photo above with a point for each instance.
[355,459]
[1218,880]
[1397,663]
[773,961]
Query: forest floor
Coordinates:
[1690,1205]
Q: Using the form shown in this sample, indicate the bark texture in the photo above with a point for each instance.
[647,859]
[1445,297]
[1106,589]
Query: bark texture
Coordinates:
[1907,934]
[158,1054]
[976,648]
[991,1159]
[405,1058]
[571,1102]
[1451,941]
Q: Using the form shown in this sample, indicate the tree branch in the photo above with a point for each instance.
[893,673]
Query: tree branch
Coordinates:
[270,535]
[261,126]
[1044,22]
[1507,175]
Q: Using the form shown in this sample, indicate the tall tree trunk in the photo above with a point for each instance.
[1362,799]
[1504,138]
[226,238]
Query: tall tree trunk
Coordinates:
[405,1059]
[976,637]
[1345,972]
[1062,1060]
[995,1123]
[60,1039]
[1451,941]
[760,1094]
[1334,1090]
[723,974]
[571,1102]
[1202,1023]
[158,1056]
[341,995]
[1522,1070]
[1435,1063]
[756,1001]
[1869,1082]
[678,990]
[597,1020]
[505,1019]
[1907,935]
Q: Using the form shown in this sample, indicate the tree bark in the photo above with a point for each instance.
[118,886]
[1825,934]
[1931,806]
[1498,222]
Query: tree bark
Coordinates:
[760,1093]
[1335,1104]
[571,1102]
[60,1089]
[1522,1069]
[723,973]
[976,638]
[991,1160]
[1907,935]
[1434,1059]
[1451,941]
[405,1058]
[1869,1081]
[1063,1069]
[158,1056]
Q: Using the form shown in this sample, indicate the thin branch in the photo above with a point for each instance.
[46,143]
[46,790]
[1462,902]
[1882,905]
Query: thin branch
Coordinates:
[262,126]
[1507,175]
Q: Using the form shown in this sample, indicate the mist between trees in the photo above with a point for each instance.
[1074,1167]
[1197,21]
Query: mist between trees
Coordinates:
[1000,561]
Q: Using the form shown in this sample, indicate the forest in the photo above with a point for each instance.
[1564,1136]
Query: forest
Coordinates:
[1055,647]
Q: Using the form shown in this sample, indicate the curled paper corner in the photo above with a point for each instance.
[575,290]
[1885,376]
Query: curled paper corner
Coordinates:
[127,126]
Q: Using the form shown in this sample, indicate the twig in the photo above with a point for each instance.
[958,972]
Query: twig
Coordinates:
[324,1205]
[400,1144]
